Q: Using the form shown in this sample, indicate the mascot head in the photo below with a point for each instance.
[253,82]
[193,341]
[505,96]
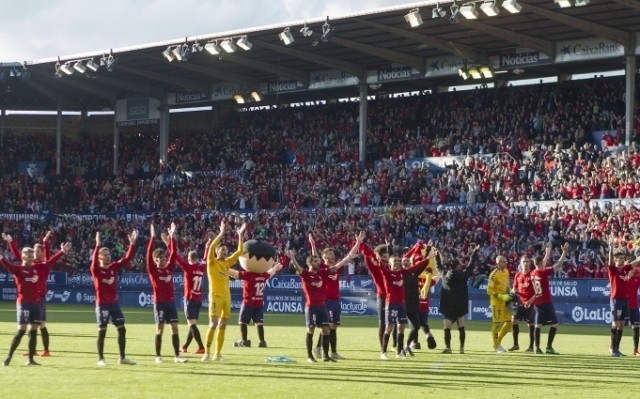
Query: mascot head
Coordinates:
[257,256]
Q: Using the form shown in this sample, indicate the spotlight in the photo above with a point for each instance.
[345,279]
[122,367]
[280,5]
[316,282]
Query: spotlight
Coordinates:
[306,31]
[475,73]
[581,3]
[327,32]
[91,64]
[563,3]
[454,10]
[463,73]
[490,8]
[486,71]
[413,18]
[469,11]
[228,46]
[168,54]
[196,48]
[67,68]
[244,43]
[78,66]
[286,37]
[512,6]
[212,47]
[176,52]
[239,99]
[185,52]
[256,96]
[438,12]
[111,62]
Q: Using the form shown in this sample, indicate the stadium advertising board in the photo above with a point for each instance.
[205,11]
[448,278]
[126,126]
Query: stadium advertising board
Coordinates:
[512,58]
[587,49]
[331,78]
[391,73]
[187,97]
[447,65]
[282,86]
[225,91]
[137,111]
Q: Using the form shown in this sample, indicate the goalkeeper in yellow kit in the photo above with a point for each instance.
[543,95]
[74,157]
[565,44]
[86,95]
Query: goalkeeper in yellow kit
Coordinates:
[218,265]
[498,291]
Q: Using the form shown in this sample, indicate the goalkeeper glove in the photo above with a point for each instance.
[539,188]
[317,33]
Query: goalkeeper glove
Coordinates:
[505,297]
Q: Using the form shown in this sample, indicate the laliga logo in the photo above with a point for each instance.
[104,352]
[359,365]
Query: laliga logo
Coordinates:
[580,314]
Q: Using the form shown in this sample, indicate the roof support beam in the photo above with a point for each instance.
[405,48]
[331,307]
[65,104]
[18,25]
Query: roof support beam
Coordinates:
[69,80]
[461,50]
[616,35]
[546,46]
[329,62]
[629,3]
[390,55]
[132,87]
[218,74]
[184,83]
[276,69]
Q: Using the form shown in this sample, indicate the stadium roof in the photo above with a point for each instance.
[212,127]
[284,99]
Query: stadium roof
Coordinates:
[364,41]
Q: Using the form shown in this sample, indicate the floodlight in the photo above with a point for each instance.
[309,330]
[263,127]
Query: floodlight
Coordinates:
[306,31]
[454,9]
[463,73]
[212,47]
[286,37]
[512,6]
[256,96]
[327,31]
[563,3]
[486,71]
[91,64]
[111,62]
[168,54]
[413,18]
[581,3]
[490,8]
[239,99]
[228,45]
[67,68]
[244,43]
[78,66]
[469,11]
[196,48]
[475,73]
[438,12]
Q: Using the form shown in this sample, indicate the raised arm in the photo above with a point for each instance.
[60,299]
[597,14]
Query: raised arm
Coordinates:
[565,251]
[312,242]
[211,252]
[291,254]
[231,259]
[353,253]
[12,246]
[151,266]
[274,269]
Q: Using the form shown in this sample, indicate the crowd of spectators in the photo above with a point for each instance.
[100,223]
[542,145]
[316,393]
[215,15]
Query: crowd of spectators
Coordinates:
[291,171]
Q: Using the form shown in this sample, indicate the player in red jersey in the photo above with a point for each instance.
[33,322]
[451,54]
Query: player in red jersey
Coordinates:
[194,272]
[27,276]
[160,270]
[634,313]
[619,273]
[41,254]
[105,281]
[315,311]
[523,287]
[332,299]
[252,309]
[395,309]
[376,260]
[545,312]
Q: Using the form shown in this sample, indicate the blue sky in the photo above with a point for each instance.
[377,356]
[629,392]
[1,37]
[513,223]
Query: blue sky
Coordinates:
[37,29]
